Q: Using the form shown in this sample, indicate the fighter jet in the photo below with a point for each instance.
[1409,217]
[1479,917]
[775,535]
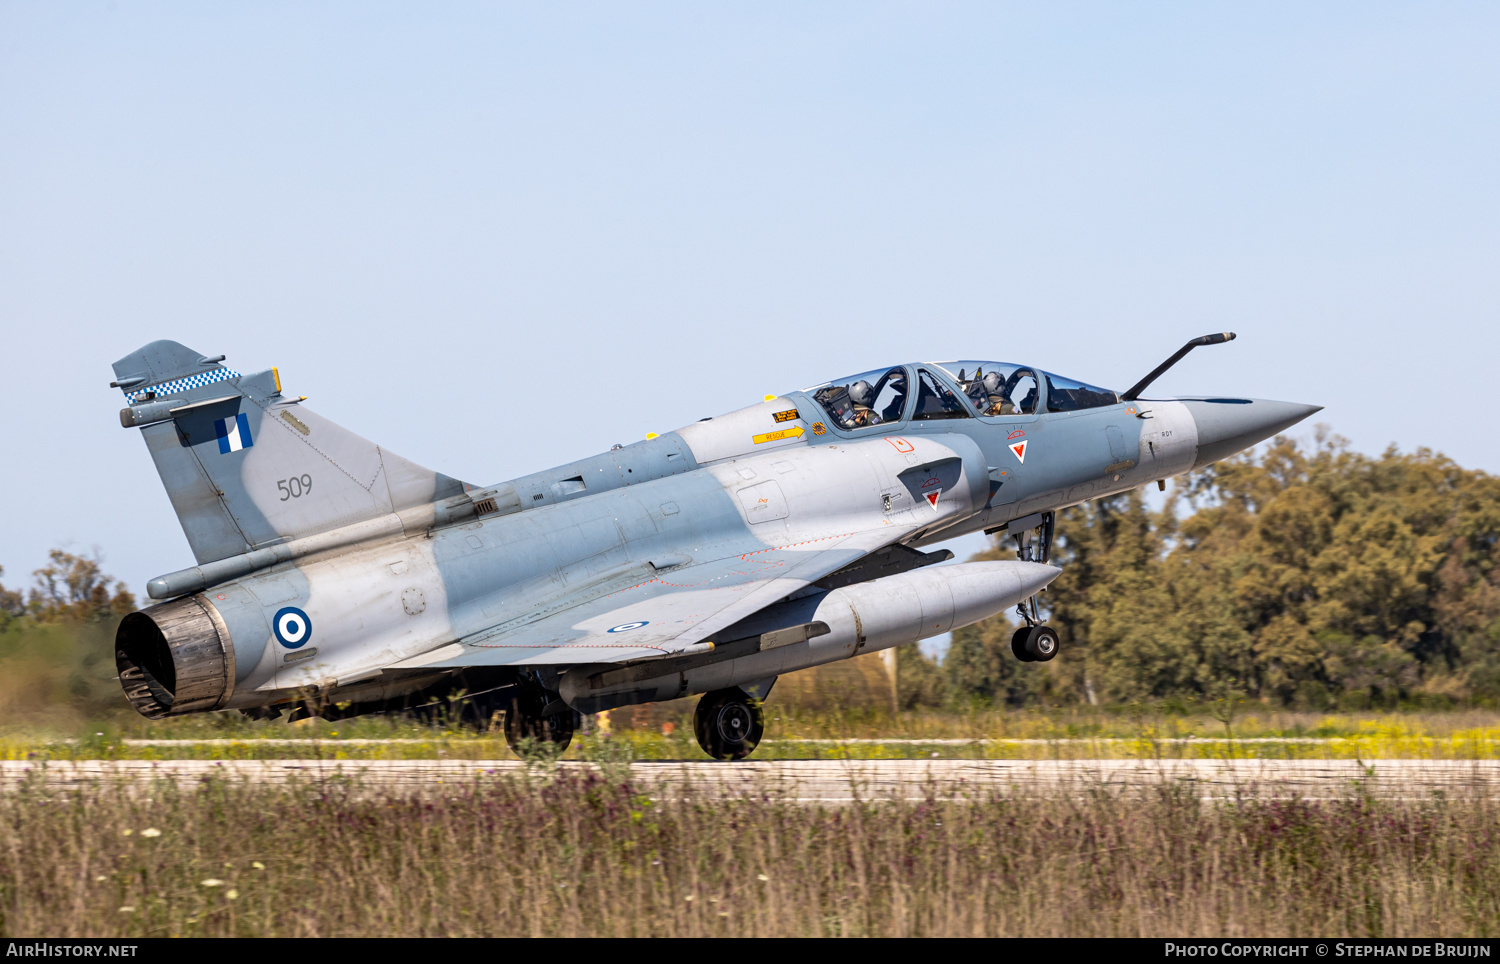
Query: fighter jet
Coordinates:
[335,578]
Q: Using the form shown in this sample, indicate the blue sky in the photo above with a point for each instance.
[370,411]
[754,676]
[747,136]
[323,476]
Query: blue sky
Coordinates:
[497,237]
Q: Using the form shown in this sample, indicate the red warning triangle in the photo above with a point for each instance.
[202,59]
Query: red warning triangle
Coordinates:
[932,498]
[1020,449]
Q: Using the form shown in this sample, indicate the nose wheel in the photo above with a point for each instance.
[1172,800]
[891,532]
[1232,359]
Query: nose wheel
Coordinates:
[728,724]
[1034,644]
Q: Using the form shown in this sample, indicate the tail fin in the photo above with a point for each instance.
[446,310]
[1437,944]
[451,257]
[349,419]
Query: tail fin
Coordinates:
[246,468]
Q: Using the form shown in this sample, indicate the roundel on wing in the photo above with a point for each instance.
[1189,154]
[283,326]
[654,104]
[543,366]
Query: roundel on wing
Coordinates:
[627,627]
[291,626]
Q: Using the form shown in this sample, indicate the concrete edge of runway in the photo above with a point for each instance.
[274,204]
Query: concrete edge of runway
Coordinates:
[815,780]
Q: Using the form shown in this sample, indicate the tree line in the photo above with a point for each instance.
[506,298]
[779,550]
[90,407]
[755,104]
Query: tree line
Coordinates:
[72,589]
[57,641]
[1304,575]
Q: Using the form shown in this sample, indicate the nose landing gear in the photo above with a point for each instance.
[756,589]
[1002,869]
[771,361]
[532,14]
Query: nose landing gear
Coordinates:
[1033,642]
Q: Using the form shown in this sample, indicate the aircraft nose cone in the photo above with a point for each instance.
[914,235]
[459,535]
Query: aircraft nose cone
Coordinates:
[1230,425]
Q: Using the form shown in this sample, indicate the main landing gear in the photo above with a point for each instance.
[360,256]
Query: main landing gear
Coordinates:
[1033,642]
[728,723]
[539,721]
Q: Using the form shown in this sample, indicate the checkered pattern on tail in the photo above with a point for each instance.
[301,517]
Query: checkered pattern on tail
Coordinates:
[178,385]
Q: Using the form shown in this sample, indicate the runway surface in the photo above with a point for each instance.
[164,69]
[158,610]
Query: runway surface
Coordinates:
[823,780]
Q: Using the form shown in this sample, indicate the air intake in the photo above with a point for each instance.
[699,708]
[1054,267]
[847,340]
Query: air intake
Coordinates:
[175,658]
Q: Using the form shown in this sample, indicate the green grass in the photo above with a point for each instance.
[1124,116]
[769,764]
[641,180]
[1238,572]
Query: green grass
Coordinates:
[664,733]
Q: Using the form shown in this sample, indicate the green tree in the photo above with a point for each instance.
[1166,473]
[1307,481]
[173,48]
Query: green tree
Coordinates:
[1298,575]
[919,679]
[75,588]
[57,648]
[12,605]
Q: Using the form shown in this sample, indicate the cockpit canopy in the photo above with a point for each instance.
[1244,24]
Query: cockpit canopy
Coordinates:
[1001,388]
[995,388]
[871,398]
[985,388]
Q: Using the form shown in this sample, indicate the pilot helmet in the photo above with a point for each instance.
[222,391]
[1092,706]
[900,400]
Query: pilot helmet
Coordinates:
[993,382]
[862,394]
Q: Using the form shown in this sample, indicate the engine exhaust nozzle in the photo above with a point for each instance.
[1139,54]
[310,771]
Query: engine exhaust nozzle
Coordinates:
[175,658]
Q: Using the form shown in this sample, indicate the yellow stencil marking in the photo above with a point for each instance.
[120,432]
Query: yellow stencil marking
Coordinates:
[778,436]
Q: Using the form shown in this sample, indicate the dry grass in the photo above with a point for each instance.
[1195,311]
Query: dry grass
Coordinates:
[554,853]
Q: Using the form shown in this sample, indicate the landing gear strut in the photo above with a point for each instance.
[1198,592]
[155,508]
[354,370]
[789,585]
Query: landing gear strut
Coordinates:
[534,722]
[728,724]
[1033,642]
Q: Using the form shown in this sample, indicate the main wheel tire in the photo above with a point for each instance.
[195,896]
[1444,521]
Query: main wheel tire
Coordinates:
[528,733]
[1042,643]
[728,724]
[1018,644]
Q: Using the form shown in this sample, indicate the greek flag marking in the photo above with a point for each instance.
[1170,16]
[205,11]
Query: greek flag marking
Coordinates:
[234,433]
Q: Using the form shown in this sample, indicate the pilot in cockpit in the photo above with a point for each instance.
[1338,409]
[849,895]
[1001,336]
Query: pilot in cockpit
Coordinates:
[874,398]
[996,402]
[862,394]
[987,392]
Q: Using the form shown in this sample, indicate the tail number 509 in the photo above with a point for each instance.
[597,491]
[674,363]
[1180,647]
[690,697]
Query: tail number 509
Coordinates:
[295,487]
